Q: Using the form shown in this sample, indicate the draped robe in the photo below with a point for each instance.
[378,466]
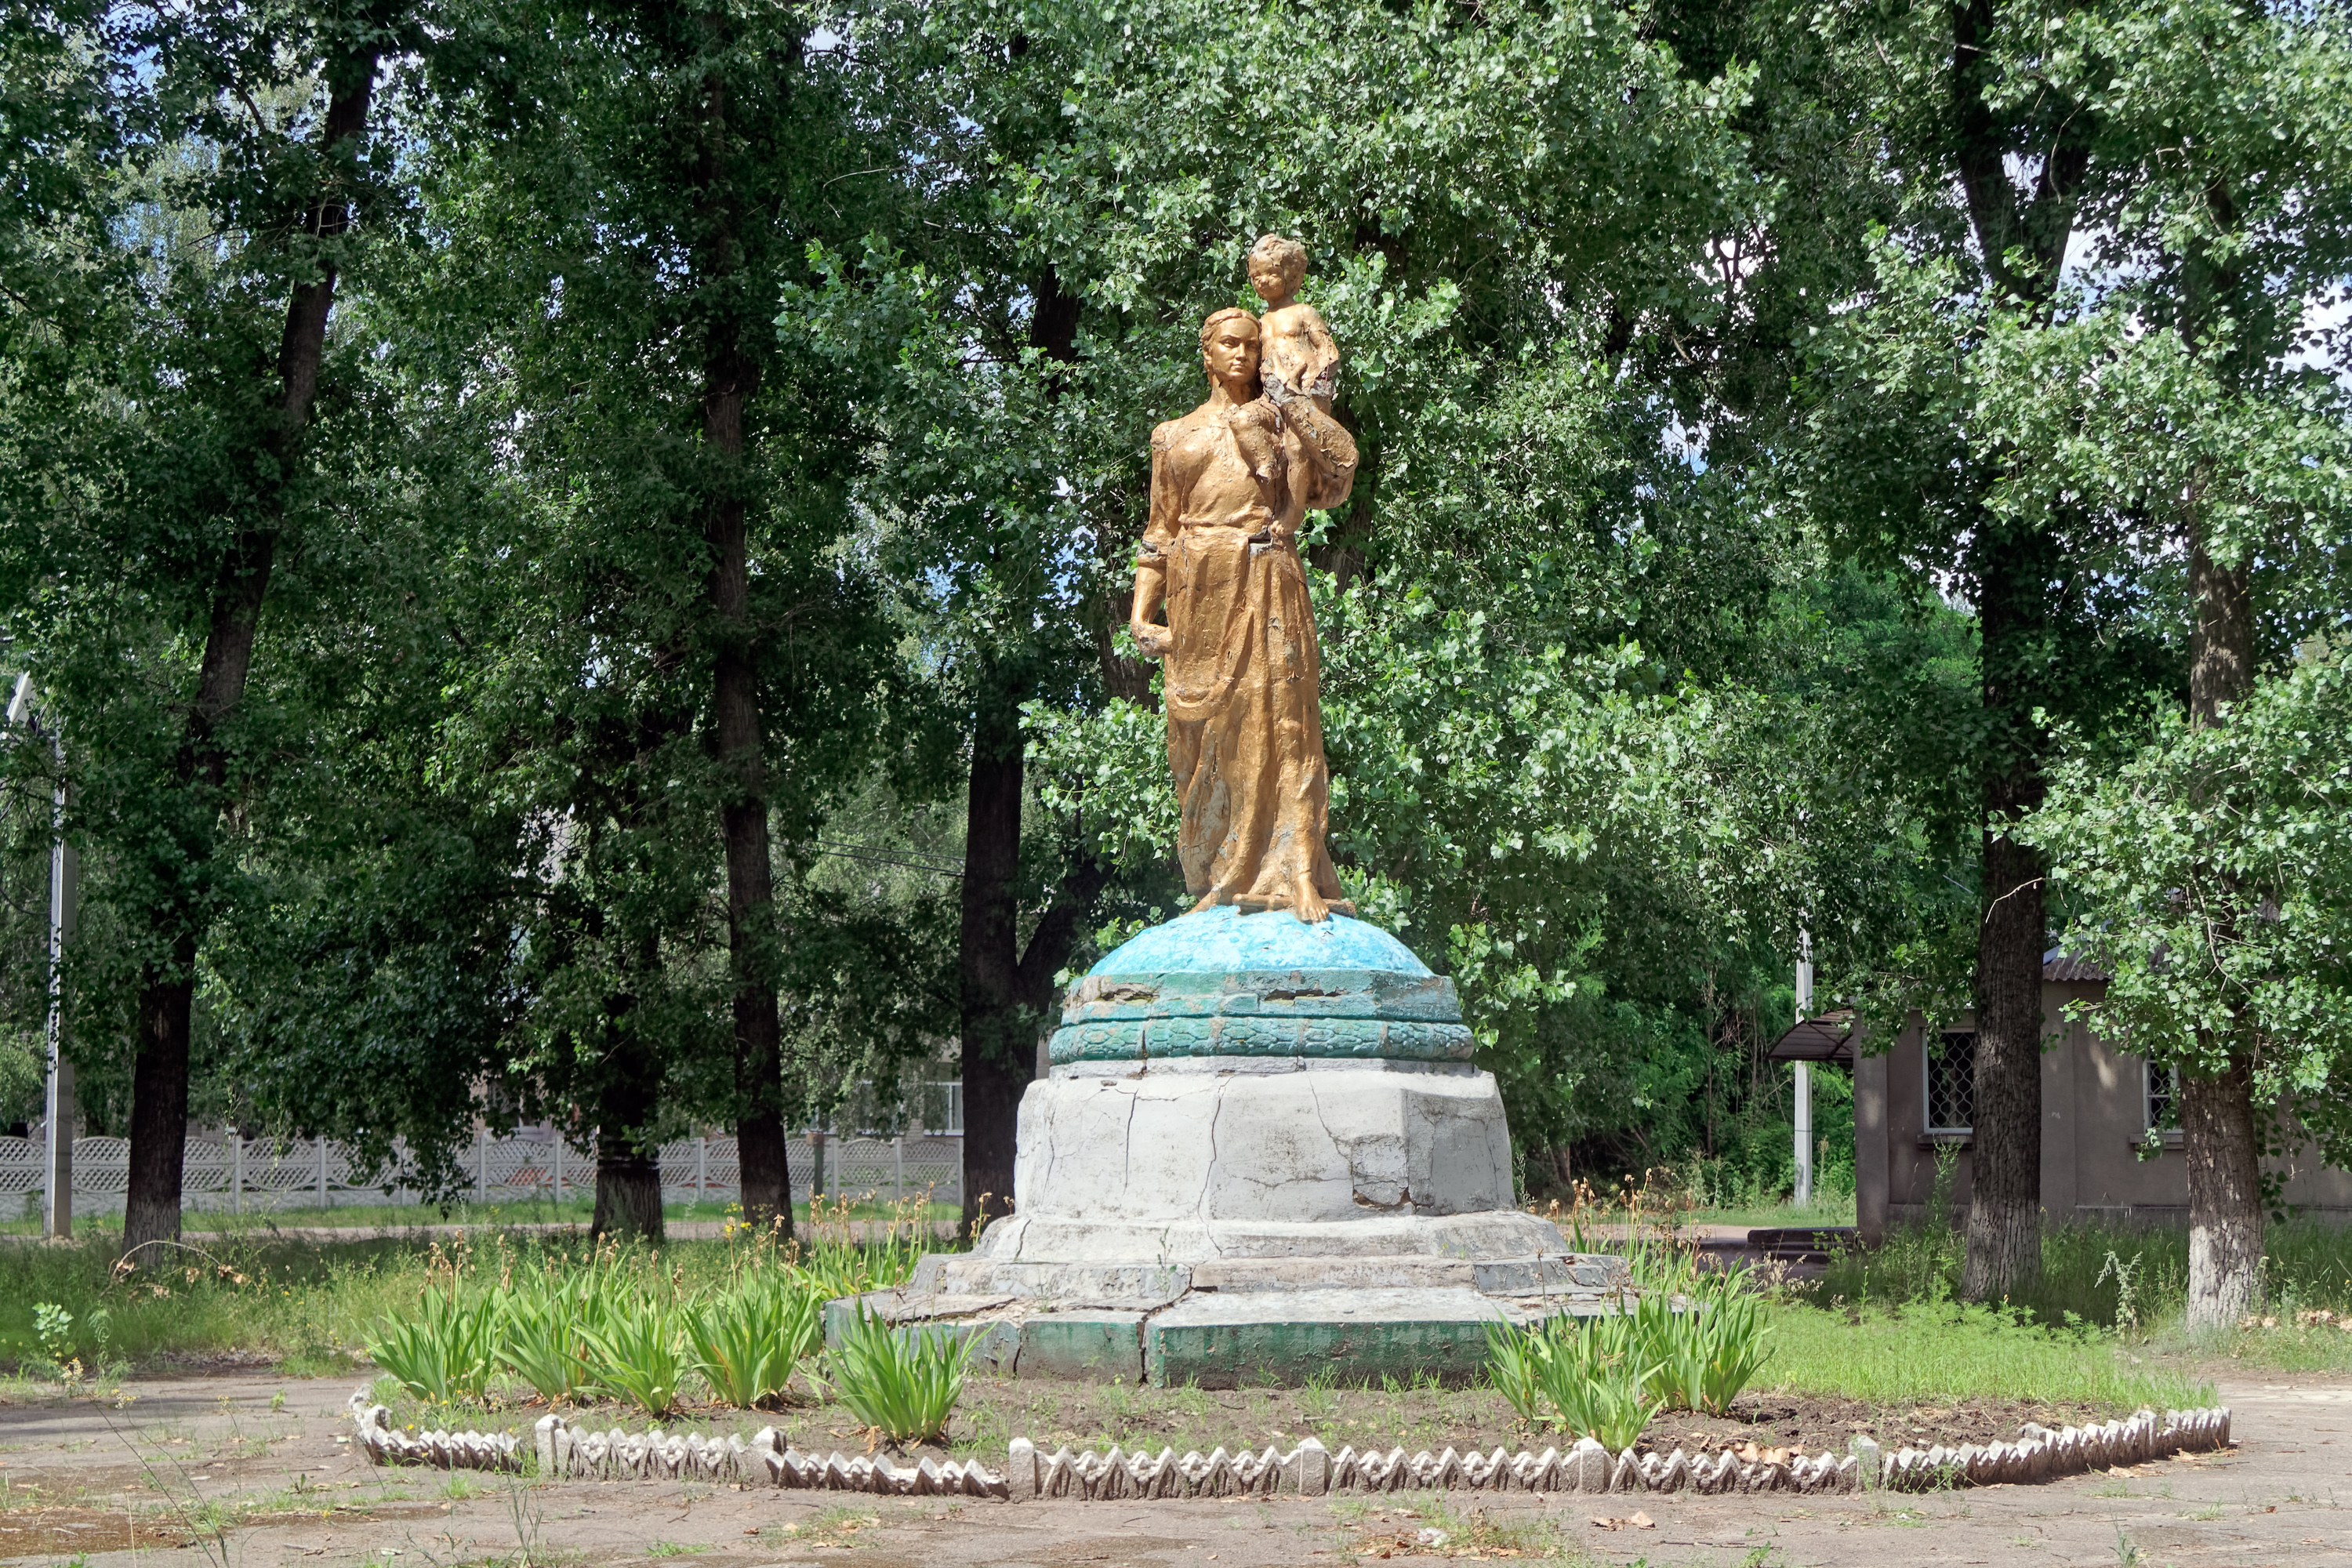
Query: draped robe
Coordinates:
[1244,719]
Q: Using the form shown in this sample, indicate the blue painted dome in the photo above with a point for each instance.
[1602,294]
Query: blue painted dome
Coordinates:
[1222,983]
[1224,940]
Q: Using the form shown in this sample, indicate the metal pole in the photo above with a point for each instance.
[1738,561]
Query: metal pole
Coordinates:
[481,1163]
[1804,1073]
[235,1171]
[59,1110]
[558,1128]
[898,1169]
[322,1173]
[702,1170]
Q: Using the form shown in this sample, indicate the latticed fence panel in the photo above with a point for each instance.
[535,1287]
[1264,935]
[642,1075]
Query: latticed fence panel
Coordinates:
[265,1174]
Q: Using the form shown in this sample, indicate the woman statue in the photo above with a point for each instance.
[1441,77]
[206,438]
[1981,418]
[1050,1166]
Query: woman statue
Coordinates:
[1230,483]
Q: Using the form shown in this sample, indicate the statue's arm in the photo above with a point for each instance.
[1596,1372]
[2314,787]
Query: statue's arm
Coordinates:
[1298,477]
[1150,563]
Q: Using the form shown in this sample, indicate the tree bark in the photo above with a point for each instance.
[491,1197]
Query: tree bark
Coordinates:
[2004,1228]
[159,1117]
[2013,570]
[628,1170]
[1008,988]
[998,1056]
[2014,567]
[730,378]
[2220,1137]
[159,1106]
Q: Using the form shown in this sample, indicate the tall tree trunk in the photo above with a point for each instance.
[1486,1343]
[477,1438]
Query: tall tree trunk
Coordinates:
[628,1172]
[998,1051]
[2015,566]
[159,1116]
[730,378]
[628,1169]
[998,1018]
[159,1103]
[2219,1133]
[2004,1230]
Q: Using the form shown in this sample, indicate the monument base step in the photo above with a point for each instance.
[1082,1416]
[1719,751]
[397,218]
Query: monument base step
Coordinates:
[1256,1333]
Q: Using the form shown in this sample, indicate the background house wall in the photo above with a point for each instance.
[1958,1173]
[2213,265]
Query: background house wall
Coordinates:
[2094,1128]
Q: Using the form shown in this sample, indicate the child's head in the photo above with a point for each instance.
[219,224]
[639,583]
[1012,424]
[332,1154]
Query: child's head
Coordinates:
[1277,267]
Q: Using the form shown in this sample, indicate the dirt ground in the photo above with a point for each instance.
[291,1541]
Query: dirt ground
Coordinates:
[245,1470]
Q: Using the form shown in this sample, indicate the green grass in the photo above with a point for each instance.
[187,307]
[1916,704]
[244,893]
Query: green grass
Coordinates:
[2132,1276]
[310,1304]
[1923,1355]
[410,1216]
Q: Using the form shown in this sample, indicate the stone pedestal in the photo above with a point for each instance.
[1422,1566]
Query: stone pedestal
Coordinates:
[1263,1154]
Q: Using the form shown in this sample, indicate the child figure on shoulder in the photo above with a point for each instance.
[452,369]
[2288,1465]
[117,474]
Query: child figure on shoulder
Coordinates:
[1298,367]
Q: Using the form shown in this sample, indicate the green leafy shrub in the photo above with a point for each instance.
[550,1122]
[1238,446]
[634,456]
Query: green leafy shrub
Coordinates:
[1588,1377]
[445,1352]
[903,1385]
[1516,1359]
[639,1353]
[1709,1350]
[544,1341]
[1729,1336]
[747,1342]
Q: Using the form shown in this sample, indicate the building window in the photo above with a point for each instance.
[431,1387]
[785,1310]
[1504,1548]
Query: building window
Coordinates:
[2162,1086]
[1952,1082]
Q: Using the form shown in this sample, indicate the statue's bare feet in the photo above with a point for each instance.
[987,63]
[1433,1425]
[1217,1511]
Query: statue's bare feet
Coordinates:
[1308,904]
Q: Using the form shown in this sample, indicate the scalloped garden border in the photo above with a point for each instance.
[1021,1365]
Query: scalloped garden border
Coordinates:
[568,1453]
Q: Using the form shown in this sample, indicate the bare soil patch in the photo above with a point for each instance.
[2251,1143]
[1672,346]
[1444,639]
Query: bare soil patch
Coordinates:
[1432,1419]
[1813,1425]
[79,1531]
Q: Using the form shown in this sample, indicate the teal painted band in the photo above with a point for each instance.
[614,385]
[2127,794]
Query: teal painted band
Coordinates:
[1247,1035]
[1332,994]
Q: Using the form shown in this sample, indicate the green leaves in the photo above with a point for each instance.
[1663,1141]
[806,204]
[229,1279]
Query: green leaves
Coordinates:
[2212,869]
[747,1342]
[902,1382]
[448,1351]
[639,1346]
[1588,1376]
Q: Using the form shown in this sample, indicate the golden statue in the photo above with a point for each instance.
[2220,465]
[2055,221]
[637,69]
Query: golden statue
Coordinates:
[1230,482]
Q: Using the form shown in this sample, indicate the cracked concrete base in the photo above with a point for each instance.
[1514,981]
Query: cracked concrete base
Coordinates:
[1192,1147]
[1239,1225]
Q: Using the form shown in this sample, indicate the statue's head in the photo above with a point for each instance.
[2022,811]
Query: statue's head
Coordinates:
[1277,267]
[1229,346]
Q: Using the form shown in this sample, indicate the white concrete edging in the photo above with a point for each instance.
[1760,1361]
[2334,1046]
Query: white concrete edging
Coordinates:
[565,1453]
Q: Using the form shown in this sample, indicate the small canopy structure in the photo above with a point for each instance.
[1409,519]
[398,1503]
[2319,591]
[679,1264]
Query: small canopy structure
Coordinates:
[1828,1038]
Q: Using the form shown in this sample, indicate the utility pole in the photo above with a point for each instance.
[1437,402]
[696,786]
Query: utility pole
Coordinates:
[60,1110]
[1805,1073]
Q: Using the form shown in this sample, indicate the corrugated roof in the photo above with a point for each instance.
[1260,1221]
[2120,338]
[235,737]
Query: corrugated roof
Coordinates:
[2058,966]
[1828,1038]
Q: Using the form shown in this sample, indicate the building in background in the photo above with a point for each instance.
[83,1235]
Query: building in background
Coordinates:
[2110,1140]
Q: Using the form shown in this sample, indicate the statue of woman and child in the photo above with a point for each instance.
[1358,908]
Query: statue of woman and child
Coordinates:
[1231,483]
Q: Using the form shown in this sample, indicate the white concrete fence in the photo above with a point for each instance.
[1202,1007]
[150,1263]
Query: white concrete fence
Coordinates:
[262,1175]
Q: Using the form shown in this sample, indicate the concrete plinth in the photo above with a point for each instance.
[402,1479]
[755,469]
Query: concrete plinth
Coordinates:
[1262,1155]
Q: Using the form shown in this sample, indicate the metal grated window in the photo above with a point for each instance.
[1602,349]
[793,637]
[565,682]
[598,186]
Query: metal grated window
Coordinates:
[1952,1082]
[2163,1090]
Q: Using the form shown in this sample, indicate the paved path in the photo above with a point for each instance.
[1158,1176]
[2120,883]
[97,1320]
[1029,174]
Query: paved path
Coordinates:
[181,1452]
